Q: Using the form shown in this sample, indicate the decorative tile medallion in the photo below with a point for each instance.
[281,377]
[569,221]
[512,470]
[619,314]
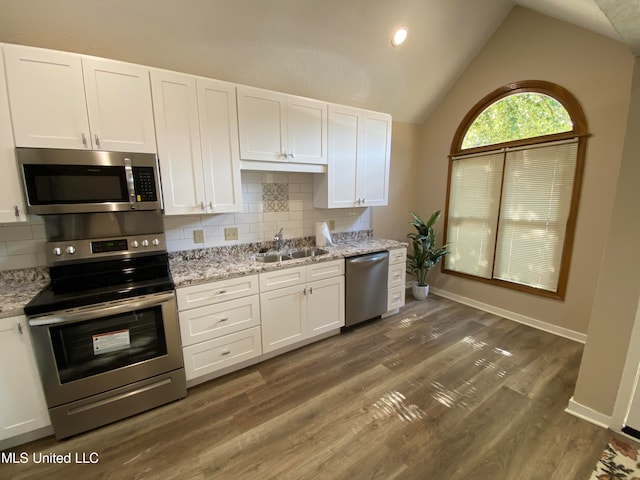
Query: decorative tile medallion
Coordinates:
[275,197]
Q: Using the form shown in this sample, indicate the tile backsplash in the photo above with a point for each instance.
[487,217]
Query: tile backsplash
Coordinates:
[271,201]
[22,244]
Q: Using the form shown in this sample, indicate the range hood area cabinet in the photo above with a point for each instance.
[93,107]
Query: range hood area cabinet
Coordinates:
[358,163]
[197,133]
[11,200]
[283,129]
[66,100]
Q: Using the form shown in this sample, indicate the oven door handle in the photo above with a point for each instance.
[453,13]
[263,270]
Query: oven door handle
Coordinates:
[102,310]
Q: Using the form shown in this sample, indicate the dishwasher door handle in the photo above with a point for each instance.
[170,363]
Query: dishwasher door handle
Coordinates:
[369,259]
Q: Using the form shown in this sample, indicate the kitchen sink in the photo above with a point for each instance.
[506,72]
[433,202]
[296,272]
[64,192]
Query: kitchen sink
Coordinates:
[293,254]
[272,257]
[307,252]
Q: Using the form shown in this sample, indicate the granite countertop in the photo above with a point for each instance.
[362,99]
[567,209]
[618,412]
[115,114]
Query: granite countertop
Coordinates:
[18,287]
[191,267]
[200,266]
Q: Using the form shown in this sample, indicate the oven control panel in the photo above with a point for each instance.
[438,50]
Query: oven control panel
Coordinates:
[72,250]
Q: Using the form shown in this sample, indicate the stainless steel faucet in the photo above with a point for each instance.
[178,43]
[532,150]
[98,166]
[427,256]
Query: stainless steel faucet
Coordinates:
[279,239]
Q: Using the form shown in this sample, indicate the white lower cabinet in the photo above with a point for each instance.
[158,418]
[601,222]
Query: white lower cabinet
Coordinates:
[230,324]
[294,309]
[22,404]
[219,325]
[396,280]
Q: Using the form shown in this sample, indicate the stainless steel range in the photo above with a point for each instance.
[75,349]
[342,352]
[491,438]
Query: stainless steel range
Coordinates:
[105,331]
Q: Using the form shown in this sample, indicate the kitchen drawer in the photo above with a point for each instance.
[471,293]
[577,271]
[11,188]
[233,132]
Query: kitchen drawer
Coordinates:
[397,255]
[217,320]
[396,275]
[395,298]
[287,277]
[318,271]
[213,355]
[216,292]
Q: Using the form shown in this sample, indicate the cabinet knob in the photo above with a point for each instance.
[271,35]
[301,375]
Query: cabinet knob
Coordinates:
[20,328]
[16,211]
[97,139]
[84,140]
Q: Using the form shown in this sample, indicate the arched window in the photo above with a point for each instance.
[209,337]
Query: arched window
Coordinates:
[515,172]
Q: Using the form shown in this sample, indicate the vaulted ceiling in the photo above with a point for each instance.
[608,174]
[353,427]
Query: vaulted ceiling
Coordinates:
[335,50]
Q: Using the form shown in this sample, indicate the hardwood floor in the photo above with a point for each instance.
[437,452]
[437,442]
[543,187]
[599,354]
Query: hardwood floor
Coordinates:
[440,391]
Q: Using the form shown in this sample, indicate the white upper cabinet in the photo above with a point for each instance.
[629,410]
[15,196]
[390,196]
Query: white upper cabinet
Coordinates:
[275,127]
[220,151]
[64,100]
[197,133]
[358,167]
[119,106]
[11,200]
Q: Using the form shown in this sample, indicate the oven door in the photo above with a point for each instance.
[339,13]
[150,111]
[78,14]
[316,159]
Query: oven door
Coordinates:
[95,349]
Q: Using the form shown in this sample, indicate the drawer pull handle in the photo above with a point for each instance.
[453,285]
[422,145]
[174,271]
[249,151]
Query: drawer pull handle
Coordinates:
[226,352]
[221,292]
[223,319]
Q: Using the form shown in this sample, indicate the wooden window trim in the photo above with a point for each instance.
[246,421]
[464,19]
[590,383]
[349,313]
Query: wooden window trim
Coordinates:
[579,131]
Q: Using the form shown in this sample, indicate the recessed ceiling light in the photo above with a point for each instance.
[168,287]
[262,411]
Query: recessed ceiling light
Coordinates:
[399,37]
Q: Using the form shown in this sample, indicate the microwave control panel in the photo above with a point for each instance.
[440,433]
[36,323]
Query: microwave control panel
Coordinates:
[145,184]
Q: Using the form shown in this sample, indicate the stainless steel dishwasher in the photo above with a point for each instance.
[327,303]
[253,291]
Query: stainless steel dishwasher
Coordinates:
[366,287]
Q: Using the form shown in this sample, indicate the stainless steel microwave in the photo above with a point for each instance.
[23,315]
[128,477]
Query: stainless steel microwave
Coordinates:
[80,181]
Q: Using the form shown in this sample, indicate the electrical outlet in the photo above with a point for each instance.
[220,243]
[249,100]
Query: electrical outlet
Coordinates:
[198,236]
[231,233]
[332,225]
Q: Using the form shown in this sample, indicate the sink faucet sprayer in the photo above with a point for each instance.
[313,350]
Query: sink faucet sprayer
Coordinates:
[279,239]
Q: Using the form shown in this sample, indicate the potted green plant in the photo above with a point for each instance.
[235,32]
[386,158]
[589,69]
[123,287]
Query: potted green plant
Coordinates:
[424,254]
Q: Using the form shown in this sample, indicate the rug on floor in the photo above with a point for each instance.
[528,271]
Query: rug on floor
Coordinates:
[619,461]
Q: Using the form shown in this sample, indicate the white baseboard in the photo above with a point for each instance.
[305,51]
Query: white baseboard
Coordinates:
[516,317]
[585,413]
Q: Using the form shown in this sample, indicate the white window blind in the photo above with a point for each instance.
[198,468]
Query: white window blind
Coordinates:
[473,213]
[536,200]
[511,226]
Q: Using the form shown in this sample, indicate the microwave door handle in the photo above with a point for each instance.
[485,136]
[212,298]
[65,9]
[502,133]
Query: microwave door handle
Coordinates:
[131,187]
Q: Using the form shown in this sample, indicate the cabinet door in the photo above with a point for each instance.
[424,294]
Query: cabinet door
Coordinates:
[22,404]
[262,127]
[306,130]
[11,202]
[284,317]
[175,105]
[220,153]
[325,305]
[373,161]
[119,106]
[46,94]
[342,171]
